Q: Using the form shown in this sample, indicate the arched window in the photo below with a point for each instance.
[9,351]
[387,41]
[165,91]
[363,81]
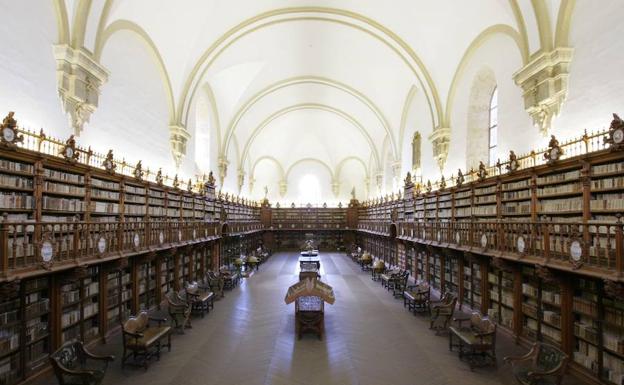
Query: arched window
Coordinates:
[493,127]
[309,189]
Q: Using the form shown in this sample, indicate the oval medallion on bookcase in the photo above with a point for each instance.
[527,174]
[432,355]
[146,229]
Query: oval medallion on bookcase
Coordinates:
[179,235]
[136,240]
[47,252]
[520,244]
[101,245]
[457,237]
[161,237]
[194,233]
[439,236]
[576,253]
[484,241]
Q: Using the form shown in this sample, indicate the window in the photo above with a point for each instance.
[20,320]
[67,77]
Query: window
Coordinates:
[309,189]
[493,127]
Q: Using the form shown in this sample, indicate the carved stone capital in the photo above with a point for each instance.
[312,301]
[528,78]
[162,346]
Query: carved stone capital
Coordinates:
[241,179]
[178,136]
[79,78]
[544,82]
[223,164]
[440,139]
[283,188]
[335,185]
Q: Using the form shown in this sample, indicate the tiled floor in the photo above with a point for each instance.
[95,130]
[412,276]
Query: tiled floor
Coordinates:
[249,339]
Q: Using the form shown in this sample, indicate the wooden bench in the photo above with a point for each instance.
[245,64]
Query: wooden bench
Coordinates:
[73,364]
[417,297]
[475,337]
[142,341]
[200,298]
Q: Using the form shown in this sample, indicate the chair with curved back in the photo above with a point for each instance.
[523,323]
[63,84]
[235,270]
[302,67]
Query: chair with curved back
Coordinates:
[73,364]
[543,364]
[179,310]
[442,312]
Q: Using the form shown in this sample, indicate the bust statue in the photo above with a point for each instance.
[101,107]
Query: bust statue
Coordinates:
[211,179]
[9,121]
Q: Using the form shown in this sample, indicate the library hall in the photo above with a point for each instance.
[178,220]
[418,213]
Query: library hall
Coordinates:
[312,192]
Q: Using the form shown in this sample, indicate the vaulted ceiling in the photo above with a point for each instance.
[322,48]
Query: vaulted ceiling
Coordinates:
[288,80]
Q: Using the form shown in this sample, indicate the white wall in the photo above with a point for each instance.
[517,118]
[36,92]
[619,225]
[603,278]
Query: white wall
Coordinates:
[27,67]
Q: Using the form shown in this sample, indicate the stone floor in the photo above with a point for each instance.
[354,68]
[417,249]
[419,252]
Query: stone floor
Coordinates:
[249,339]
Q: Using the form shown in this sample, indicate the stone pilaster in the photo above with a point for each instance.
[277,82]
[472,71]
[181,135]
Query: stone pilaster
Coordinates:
[544,82]
[79,78]
[440,139]
[283,188]
[178,136]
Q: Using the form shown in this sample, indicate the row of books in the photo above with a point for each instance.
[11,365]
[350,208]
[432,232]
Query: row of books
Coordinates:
[607,202]
[16,201]
[63,176]
[561,177]
[558,205]
[63,188]
[13,181]
[63,204]
[559,189]
[104,184]
[525,183]
[105,194]
[104,207]
[9,165]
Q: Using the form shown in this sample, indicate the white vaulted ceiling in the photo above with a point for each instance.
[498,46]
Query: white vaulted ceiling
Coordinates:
[293,81]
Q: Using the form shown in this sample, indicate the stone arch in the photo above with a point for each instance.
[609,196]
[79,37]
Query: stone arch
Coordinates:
[478,120]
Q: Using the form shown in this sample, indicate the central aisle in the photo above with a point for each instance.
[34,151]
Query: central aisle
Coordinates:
[249,338]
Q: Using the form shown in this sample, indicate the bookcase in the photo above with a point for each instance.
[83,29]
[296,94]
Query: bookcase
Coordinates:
[118,296]
[104,200]
[63,195]
[146,284]
[79,301]
[501,296]
[134,201]
[36,318]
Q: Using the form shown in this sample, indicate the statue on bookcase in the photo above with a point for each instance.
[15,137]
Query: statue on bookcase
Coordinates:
[616,133]
[138,171]
[459,181]
[554,152]
[292,205]
[513,162]
[176,182]
[10,136]
[339,205]
[408,180]
[109,163]
[482,173]
[353,193]
[69,151]
[442,183]
[428,188]
[159,177]
[189,185]
[211,179]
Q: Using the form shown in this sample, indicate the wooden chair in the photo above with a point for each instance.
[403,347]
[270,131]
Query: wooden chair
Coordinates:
[417,298]
[141,341]
[400,284]
[73,364]
[543,364]
[215,283]
[179,310]
[201,299]
[476,341]
[442,312]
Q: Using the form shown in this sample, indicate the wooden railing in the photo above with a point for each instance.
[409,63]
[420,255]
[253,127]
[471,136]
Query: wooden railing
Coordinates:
[596,245]
[307,225]
[28,246]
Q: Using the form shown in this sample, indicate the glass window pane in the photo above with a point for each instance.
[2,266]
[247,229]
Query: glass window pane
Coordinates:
[494,100]
[493,117]
[492,156]
[493,136]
